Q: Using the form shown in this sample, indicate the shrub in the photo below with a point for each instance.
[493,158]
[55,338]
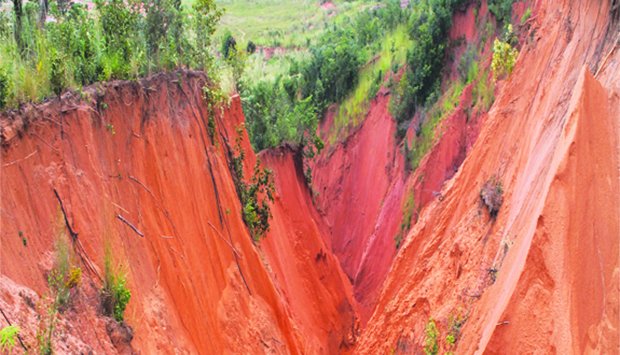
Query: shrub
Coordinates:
[8,336]
[428,26]
[251,47]
[501,9]
[114,295]
[64,276]
[4,88]
[229,45]
[431,347]
[491,195]
[255,196]
[409,209]
[504,58]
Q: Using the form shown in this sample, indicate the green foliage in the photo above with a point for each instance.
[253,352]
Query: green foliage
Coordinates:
[205,17]
[504,58]
[483,93]
[501,9]
[229,44]
[64,276]
[4,88]
[355,106]
[455,323]
[214,98]
[255,195]
[426,132]
[431,347]
[284,108]
[429,24]
[8,337]
[114,295]
[526,16]
[119,40]
[409,209]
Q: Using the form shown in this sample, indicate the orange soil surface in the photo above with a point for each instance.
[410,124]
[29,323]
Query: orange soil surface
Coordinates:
[147,158]
[355,183]
[552,138]
[541,277]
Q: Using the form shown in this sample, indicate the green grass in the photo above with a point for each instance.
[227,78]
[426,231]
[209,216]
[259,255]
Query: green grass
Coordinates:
[437,113]
[259,68]
[271,22]
[353,109]
[280,23]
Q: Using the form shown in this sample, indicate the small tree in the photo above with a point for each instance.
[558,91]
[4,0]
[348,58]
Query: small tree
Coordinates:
[205,18]
[504,55]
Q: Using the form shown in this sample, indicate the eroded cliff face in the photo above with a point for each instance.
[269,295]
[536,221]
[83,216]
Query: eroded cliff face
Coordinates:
[136,165]
[543,276]
[139,155]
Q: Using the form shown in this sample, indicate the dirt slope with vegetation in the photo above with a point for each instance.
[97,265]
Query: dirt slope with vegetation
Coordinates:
[474,208]
[543,274]
[136,168]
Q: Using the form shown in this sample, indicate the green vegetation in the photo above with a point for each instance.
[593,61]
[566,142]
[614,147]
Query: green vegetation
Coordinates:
[501,9]
[431,347]
[255,196]
[8,337]
[426,134]
[273,23]
[526,16]
[392,56]
[114,294]
[455,323]
[428,25]
[504,56]
[65,275]
[118,40]
[284,107]
[408,212]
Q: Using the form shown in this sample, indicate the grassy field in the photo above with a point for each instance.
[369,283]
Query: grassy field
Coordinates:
[272,22]
[281,23]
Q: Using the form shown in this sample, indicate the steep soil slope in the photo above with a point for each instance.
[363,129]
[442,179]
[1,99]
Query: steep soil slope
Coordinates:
[355,184]
[543,276]
[139,155]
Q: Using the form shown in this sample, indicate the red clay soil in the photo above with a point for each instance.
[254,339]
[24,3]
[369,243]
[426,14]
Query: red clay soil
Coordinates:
[134,166]
[355,184]
[361,184]
[198,282]
[304,269]
[543,276]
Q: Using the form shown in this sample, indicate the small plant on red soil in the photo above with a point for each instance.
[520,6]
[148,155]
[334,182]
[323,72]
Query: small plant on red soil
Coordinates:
[455,323]
[431,347]
[8,335]
[504,55]
[64,276]
[114,295]
[254,196]
[492,195]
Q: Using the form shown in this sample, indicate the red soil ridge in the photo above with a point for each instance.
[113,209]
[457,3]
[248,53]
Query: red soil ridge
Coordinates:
[161,171]
[541,277]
